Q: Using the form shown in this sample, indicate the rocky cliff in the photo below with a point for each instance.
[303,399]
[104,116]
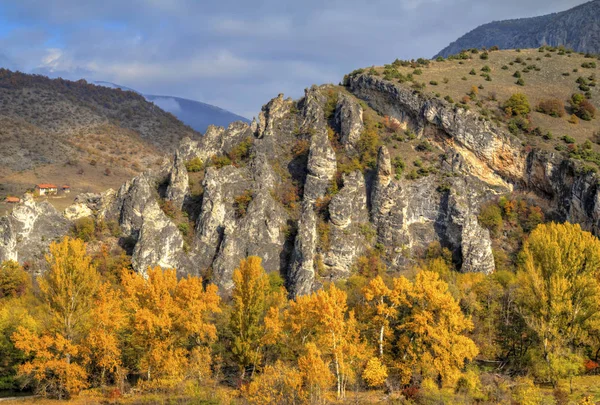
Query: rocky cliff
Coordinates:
[304,195]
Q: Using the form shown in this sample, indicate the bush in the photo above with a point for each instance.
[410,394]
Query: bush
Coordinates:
[517,104]
[486,69]
[184,228]
[168,208]
[520,82]
[14,281]
[220,161]
[504,67]
[553,107]
[473,72]
[241,203]
[568,139]
[399,166]
[518,124]
[84,229]
[582,108]
[241,151]
[484,56]
[433,83]
[194,165]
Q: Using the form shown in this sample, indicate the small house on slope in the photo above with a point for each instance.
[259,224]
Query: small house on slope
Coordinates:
[46,189]
[12,200]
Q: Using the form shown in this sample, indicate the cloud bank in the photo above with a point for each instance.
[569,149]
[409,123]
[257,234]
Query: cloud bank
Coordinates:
[236,54]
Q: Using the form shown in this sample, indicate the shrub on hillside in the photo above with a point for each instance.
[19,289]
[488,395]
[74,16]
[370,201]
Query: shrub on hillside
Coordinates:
[552,106]
[581,107]
[517,104]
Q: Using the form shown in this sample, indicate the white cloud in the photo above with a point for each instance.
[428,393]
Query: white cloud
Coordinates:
[168,104]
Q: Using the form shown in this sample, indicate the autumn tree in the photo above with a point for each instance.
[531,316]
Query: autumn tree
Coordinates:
[382,305]
[14,281]
[67,292]
[277,384]
[103,341]
[431,331]
[316,374]
[323,318]
[254,302]
[14,313]
[169,322]
[559,291]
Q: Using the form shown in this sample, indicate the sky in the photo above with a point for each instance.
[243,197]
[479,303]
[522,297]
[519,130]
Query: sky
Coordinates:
[235,54]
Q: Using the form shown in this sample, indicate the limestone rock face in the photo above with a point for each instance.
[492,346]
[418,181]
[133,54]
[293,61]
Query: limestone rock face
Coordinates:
[77,211]
[130,202]
[476,247]
[98,204]
[349,225]
[501,152]
[349,120]
[270,114]
[302,270]
[221,186]
[322,164]
[260,232]
[159,243]
[178,186]
[27,231]
[286,202]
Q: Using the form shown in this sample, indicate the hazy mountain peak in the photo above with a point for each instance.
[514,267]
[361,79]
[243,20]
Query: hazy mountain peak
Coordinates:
[196,114]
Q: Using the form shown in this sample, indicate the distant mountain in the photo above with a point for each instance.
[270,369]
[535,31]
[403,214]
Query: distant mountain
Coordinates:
[74,125]
[196,114]
[577,28]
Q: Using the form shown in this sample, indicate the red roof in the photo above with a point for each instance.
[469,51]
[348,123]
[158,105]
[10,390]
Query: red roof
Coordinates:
[13,199]
[66,186]
[46,185]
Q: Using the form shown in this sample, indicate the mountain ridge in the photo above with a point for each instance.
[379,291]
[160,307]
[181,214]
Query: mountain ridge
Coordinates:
[197,114]
[577,28]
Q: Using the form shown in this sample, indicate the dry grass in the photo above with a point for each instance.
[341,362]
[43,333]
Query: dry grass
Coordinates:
[545,83]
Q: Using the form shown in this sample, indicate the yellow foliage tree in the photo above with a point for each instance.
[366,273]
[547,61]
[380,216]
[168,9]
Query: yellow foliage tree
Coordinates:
[375,372]
[431,331]
[277,384]
[559,293]
[323,319]
[255,320]
[67,292]
[50,369]
[382,306]
[103,342]
[14,281]
[166,320]
[316,374]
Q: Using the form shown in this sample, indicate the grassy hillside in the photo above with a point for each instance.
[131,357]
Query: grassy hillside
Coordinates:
[88,136]
[483,81]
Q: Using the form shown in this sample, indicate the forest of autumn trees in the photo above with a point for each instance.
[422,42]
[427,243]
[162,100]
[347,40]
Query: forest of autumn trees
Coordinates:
[423,335]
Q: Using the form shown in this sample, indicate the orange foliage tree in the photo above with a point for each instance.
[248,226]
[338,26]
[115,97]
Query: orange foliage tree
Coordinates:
[67,292]
[169,322]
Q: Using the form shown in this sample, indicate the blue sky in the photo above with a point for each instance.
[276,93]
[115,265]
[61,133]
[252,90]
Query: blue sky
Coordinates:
[236,54]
